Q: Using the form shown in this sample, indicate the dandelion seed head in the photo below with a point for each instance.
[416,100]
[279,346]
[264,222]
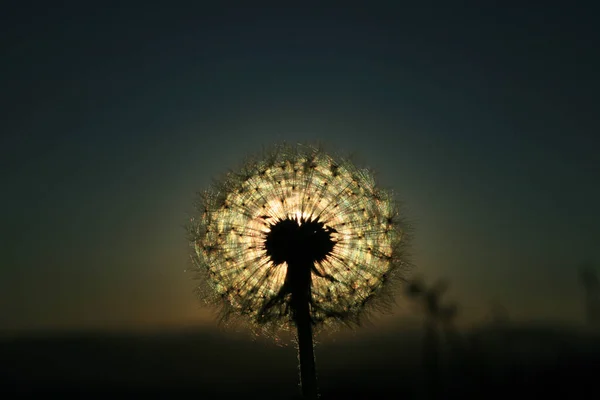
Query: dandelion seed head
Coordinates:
[303,198]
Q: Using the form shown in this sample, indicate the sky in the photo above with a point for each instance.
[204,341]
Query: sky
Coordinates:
[482,119]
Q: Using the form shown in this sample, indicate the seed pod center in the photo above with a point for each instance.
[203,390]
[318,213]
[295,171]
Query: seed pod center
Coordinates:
[299,241]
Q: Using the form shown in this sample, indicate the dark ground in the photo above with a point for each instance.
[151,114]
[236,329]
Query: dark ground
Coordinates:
[488,363]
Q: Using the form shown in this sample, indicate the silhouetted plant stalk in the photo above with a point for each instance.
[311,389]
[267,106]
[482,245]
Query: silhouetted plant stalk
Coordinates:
[591,285]
[297,240]
[436,316]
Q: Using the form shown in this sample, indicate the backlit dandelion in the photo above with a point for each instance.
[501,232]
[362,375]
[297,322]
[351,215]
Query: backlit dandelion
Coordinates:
[297,239]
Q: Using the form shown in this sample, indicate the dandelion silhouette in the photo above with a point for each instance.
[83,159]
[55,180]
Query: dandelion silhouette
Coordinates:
[591,284]
[436,314]
[297,240]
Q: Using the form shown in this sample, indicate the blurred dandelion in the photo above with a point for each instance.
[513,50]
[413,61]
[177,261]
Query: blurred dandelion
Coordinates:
[437,315]
[591,284]
[297,240]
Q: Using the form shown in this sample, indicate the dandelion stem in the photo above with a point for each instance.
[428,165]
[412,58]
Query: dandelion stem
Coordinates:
[301,313]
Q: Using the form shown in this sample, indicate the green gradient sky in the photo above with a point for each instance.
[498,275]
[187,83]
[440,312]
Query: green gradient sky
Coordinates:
[483,120]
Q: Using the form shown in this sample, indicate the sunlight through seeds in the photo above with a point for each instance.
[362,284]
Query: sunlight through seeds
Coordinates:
[301,184]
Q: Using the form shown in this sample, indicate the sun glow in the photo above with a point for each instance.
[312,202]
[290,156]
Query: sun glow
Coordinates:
[301,184]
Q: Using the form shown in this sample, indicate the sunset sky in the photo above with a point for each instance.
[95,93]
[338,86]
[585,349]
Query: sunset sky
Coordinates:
[483,120]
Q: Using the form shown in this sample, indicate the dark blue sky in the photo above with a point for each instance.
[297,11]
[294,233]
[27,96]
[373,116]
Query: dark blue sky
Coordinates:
[483,119]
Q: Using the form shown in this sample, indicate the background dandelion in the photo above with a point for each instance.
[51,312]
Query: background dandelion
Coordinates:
[439,318]
[297,239]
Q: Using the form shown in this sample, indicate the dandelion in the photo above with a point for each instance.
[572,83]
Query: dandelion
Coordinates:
[298,239]
[437,315]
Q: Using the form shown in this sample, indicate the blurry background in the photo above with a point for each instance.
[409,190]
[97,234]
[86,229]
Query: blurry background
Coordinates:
[483,119]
